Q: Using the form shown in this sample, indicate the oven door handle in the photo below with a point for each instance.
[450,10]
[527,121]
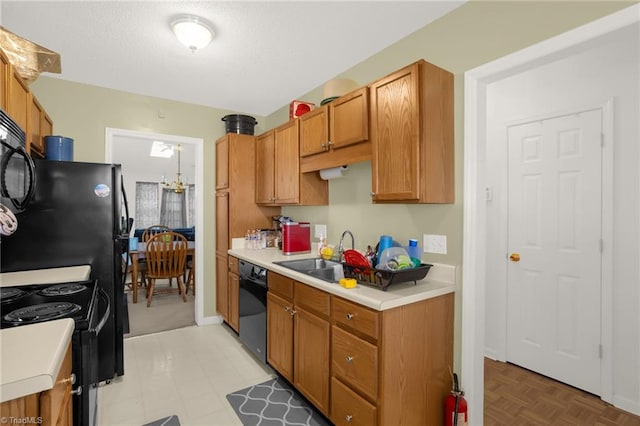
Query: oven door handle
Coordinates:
[105,317]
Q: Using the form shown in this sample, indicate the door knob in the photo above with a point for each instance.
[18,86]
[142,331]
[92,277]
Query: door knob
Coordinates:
[515,257]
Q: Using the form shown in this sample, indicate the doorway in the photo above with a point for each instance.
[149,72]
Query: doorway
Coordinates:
[477,196]
[119,140]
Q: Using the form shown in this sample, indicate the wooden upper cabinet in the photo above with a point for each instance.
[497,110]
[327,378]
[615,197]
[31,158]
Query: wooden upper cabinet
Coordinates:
[265,168]
[336,134]
[349,118]
[314,131]
[35,137]
[222,163]
[278,177]
[287,167]
[17,99]
[4,72]
[412,136]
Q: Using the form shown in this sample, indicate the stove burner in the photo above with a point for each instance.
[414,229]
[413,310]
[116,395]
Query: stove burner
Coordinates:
[9,294]
[43,312]
[63,289]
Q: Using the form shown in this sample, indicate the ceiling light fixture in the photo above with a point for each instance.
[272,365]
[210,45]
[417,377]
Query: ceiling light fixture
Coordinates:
[177,185]
[192,31]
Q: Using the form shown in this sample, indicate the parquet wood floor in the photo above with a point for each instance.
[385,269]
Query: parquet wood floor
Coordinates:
[515,396]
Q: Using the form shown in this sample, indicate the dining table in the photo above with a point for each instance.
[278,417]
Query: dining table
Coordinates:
[139,253]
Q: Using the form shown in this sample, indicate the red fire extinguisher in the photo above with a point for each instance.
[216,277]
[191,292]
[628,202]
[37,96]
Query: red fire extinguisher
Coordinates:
[455,406]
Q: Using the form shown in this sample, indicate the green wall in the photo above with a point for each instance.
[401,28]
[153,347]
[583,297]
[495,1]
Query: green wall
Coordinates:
[476,33]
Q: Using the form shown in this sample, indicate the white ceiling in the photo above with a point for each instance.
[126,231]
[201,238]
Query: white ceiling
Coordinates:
[264,54]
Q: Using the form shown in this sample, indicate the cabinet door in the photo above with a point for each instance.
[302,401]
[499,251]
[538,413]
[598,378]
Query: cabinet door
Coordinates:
[222,286]
[55,404]
[280,335]
[18,99]
[4,72]
[349,119]
[395,136]
[265,168]
[287,165]
[36,142]
[234,292]
[314,131]
[46,126]
[222,163]
[311,378]
[222,221]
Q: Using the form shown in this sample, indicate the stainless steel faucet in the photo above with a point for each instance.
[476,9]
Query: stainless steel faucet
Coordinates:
[341,245]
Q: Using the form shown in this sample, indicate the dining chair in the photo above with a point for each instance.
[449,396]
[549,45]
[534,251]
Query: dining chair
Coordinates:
[146,234]
[166,255]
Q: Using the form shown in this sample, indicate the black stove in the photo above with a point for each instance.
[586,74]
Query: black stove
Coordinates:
[88,306]
[37,303]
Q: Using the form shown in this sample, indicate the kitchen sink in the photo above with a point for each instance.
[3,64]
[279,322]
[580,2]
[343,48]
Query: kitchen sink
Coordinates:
[314,267]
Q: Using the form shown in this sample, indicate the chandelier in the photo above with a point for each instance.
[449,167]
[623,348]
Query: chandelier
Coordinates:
[178,184]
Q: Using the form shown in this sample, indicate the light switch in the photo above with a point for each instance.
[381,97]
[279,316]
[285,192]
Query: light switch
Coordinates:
[436,244]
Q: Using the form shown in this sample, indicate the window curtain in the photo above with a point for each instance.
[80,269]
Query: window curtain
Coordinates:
[147,205]
[191,206]
[173,209]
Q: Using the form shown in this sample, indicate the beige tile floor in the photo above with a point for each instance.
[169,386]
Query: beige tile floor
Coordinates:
[187,372]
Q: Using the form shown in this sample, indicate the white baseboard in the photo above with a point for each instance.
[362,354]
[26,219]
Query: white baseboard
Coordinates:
[626,404]
[216,319]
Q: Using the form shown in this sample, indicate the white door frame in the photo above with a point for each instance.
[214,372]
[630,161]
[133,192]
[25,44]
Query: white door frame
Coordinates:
[112,133]
[474,214]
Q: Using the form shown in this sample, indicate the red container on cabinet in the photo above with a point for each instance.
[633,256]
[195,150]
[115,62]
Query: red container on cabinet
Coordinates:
[296,237]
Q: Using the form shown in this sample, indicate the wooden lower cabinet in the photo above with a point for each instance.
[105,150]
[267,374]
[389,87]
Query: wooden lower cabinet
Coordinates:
[234,294]
[349,408]
[395,362]
[52,407]
[360,366]
[222,286]
[298,338]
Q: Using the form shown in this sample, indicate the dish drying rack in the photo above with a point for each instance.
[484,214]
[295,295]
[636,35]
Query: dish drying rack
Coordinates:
[383,278]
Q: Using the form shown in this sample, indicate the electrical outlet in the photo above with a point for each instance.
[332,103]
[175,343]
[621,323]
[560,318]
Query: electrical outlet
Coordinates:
[436,244]
[320,231]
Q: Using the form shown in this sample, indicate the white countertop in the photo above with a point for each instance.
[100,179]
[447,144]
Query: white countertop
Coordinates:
[66,274]
[439,281]
[31,357]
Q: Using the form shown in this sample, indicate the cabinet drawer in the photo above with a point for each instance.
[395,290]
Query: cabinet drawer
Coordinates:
[233,265]
[356,317]
[348,408]
[313,299]
[355,361]
[281,285]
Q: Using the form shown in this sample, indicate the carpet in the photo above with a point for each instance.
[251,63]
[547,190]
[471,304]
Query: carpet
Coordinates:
[274,403]
[167,312]
[167,421]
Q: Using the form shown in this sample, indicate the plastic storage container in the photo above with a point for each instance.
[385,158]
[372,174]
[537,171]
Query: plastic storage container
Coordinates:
[58,148]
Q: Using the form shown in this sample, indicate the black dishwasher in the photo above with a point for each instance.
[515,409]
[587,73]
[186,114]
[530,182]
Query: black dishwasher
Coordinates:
[252,308]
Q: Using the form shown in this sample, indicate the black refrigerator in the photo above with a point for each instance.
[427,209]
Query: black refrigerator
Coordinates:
[78,216]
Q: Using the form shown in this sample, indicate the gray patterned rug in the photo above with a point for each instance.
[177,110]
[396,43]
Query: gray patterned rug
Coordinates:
[167,421]
[274,403]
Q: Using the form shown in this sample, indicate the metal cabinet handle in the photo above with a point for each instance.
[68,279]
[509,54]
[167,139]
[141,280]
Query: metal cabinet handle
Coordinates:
[77,391]
[348,418]
[71,379]
[293,312]
[349,316]
[330,144]
[287,308]
[323,146]
[349,358]
[515,257]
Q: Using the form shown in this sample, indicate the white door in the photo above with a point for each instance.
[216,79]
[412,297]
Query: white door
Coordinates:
[555,229]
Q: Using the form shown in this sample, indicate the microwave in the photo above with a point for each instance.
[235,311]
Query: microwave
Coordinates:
[17,171]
